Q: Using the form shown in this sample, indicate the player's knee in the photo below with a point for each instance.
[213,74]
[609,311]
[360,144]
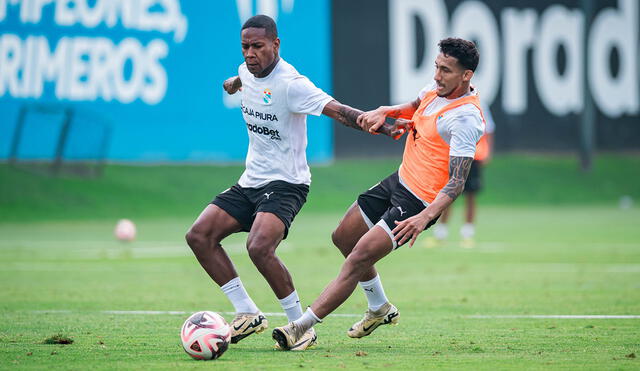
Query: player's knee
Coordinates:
[194,238]
[342,241]
[359,260]
[259,250]
[198,239]
[337,238]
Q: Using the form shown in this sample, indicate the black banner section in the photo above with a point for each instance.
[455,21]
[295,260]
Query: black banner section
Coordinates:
[556,74]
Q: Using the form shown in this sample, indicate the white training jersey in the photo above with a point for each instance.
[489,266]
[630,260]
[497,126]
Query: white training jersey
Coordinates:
[460,127]
[275,110]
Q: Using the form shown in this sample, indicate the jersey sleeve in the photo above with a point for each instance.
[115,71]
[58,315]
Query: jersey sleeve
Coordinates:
[304,97]
[466,130]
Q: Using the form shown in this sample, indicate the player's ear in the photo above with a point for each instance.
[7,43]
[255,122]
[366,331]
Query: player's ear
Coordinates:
[276,45]
[467,75]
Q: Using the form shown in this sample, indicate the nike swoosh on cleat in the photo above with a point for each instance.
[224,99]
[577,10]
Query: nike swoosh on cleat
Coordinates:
[302,343]
[239,327]
[365,329]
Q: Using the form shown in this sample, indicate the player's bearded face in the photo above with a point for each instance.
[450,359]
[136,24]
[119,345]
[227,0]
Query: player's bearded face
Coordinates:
[450,76]
[258,49]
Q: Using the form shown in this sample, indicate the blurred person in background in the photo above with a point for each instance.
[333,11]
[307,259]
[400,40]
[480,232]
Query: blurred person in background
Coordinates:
[276,100]
[472,187]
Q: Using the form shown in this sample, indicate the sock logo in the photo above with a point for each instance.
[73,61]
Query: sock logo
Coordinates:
[370,290]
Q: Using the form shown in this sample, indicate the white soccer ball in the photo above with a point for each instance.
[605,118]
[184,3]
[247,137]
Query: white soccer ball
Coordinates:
[205,335]
[125,230]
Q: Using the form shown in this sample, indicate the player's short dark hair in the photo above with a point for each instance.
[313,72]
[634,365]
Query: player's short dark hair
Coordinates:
[262,21]
[463,50]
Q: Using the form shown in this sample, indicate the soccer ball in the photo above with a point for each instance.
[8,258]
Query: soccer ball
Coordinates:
[205,335]
[125,230]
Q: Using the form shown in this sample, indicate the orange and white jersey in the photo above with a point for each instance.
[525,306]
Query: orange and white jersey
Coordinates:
[483,149]
[442,128]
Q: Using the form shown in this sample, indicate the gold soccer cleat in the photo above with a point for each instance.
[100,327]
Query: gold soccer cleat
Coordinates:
[290,337]
[387,314]
[246,324]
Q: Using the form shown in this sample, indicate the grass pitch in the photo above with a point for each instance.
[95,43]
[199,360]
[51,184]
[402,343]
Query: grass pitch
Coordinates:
[73,280]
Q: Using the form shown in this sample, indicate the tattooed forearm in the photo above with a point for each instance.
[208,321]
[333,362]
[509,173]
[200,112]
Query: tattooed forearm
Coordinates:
[348,116]
[458,171]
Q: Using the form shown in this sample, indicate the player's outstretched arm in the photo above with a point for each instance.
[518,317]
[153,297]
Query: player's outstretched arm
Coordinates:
[410,228]
[232,85]
[348,116]
[373,120]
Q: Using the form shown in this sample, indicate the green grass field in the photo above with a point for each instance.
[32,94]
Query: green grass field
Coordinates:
[460,308]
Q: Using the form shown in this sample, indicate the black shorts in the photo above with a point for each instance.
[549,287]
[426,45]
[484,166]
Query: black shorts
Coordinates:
[388,201]
[280,198]
[474,180]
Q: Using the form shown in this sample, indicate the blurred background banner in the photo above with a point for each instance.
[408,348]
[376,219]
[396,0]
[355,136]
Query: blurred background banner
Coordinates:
[558,75]
[146,74]
[140,81]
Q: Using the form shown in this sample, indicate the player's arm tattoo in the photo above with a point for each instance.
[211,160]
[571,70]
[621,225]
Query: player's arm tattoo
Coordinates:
[348,116]
[458,172]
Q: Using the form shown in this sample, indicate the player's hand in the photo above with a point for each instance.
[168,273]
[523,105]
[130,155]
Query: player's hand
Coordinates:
[232,85]
[400,127]
[395,128]
[409,229]
[371,121]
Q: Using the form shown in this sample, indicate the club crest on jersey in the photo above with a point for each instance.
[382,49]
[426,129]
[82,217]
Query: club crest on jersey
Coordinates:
[267,96]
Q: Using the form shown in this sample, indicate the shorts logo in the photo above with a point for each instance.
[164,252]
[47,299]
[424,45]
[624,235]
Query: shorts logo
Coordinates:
[401,211]
[267,195]
[267,96]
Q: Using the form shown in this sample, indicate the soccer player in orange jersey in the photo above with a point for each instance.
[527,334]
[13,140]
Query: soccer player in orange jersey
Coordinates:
[440,147]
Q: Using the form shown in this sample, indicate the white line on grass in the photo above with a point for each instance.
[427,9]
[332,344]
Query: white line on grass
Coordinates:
[558,316]
[173,312]
[351,315]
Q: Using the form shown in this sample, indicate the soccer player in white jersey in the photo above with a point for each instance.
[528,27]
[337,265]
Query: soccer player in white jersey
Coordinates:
[446,125]
[275,102]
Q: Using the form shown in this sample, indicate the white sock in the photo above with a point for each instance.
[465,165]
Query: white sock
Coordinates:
[374,292]
[307,321]
[238,296]
[440,231]
[291,306]
[467,230]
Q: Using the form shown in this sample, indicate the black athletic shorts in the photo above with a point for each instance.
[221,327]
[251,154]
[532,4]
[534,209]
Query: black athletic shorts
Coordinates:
[388,201]
[280,198]
[474,180]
